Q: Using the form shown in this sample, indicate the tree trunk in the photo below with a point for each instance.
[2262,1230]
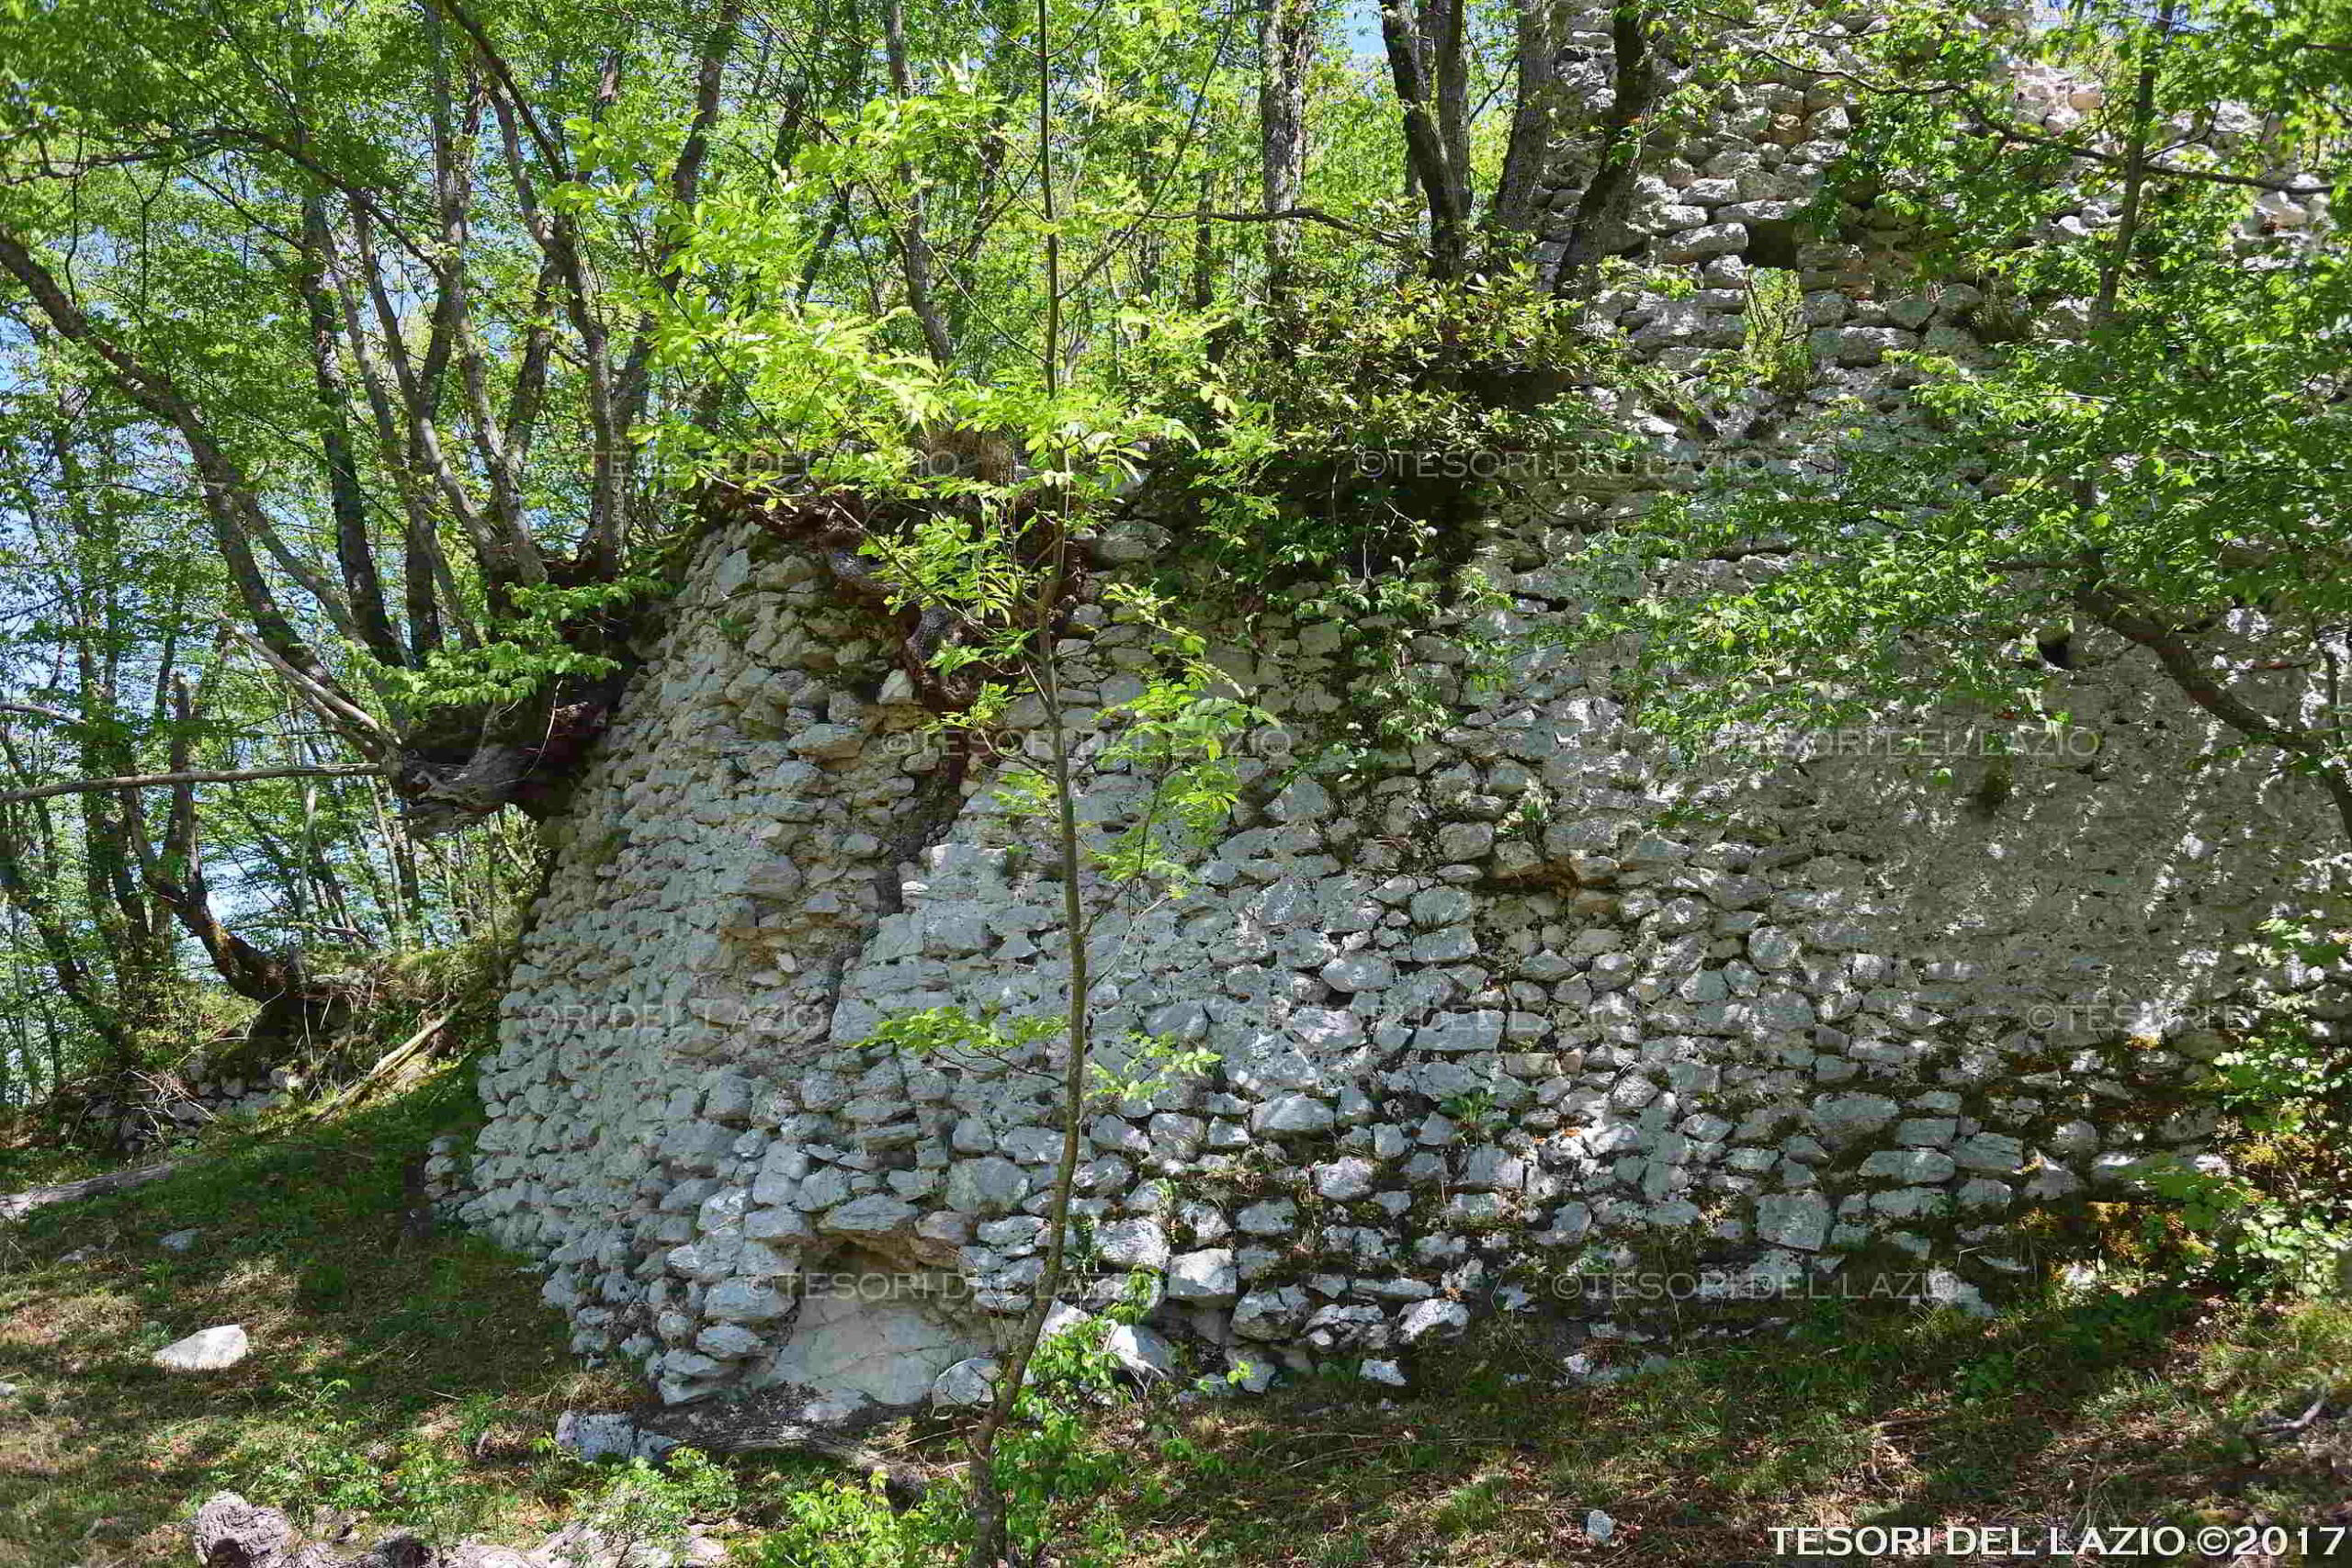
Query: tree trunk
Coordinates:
[1285,48]
[1600,208]
[355,552]
[1426,76]
[1537,48]
[16,1205]
[914,245]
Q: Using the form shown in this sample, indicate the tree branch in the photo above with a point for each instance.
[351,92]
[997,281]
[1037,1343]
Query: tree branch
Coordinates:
[1634,89]
[1304,215]
[2190,674]
[32,711]
[230,502]
[214,775]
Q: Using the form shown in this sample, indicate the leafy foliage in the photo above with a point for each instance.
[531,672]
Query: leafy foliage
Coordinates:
[2278,1212]
[2164,454]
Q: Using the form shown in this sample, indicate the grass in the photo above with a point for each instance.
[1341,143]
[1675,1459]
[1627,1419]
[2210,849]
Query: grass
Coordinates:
[2101,1409]
[405,1382]
[370,1349]
[29,1158]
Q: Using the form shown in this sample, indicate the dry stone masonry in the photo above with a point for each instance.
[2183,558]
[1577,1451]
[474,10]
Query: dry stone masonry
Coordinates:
[159,1106]
[1539,997]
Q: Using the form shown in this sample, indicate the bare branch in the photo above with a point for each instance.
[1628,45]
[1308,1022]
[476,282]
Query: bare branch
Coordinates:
[30,710]
[214,775]
[1304,215]
[230,501]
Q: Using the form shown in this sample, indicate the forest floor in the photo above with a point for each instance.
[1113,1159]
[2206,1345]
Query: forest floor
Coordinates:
[417,1381]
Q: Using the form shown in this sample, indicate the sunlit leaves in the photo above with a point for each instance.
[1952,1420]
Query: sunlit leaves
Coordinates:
[529,652]
[2185,450]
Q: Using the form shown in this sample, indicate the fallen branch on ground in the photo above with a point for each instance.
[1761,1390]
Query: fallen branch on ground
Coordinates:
[16,1205]
[390,1062]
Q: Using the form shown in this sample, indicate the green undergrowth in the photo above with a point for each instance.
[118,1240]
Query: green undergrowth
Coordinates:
[2126,1406]
[2113,1406]
[378,1354]
[407,1381]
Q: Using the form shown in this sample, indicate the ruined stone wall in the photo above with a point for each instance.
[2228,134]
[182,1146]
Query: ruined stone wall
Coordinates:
[159,1106]
[1538,995]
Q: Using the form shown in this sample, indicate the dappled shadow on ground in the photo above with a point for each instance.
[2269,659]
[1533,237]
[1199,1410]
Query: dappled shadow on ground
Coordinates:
[2094,1408]
[363,1336]
[2103,1409]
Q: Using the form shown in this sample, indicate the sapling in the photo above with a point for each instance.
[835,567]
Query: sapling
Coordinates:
[986,562]
[1177,733]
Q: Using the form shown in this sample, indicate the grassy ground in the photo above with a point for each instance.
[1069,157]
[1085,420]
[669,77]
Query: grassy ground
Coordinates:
[405,1381]
[364,1341]
[2106,1409]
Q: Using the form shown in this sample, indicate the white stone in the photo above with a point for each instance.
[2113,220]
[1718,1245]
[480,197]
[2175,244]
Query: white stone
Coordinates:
[1275,1216]
[1793,1218]
[1133,1244]
[1344,1180]
[207,1350]
[1462,1031]
[890,1351]
[608,1434]
[1292,1115]
[875,1214]
[1205,1276]
[967,1385]
[728,1341]
[829,742]
[1358,972]
[1842,1118]
[1141,1352]
[1249,1373]
[745,1301]
[1443,906]
[989,1186]
[1268,1313]
[1442,1319]
[1993,1153]
[1915,1166]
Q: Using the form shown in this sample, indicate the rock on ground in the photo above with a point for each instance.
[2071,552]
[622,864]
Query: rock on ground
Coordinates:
[232,1533]
[207,1350]
[966,1385]
[229,1532]
[614,1434]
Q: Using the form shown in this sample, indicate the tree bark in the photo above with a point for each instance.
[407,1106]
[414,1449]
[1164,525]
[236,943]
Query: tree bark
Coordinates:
[16,1205]
[1285,50]
[915,259]
[355,551]
[1600,208]
[293,1003]
[24,891]
[1535,49]
[1412,63]
[2135,170]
